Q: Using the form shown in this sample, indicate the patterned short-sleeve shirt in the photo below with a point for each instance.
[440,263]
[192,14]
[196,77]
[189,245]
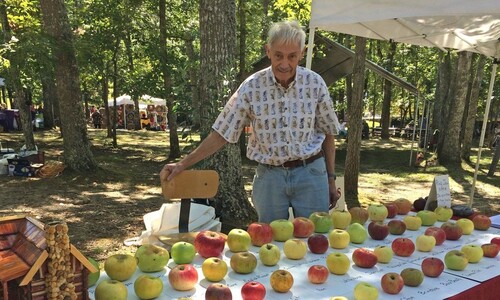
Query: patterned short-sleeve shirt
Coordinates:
[287,124]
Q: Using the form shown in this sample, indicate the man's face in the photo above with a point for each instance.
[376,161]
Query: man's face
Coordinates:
[284,61]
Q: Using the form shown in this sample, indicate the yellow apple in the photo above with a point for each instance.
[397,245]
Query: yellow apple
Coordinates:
[148,287]
[341,218]
[384,254]
[412,222]
[339,239]
[365,291]
[295,249]
[214,269]
[111,289]
[338,263]
[474,253]
[425,243]
[443,213]
[120,266]
[466,225]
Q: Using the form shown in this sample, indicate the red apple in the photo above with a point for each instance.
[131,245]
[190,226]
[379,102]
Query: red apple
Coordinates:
[378,230]
[481,222]
[432,266]
[183,277]
[317,274]
[437,233]
[302,227]
[392,283]
[364,258]
[490,250]
[495,240]
[419,204]
[317,243]
[260,233]
[453,230]
[404,206]
[396,227]
[403,247]
[218,291]
[358,215]
[253,290]
[209,243]
[392,210]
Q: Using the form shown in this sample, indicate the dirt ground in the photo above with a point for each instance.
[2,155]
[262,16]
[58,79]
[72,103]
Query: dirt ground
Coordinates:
[106,206]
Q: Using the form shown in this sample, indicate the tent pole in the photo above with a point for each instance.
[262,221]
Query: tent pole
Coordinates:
[483,129]
[310,46]
[415,120]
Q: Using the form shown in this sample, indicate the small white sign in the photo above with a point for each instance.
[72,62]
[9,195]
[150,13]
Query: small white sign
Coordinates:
[440,192]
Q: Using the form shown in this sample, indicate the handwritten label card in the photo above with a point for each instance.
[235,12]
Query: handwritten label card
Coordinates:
[440,192]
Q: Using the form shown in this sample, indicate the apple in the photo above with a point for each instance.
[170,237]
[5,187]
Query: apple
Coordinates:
[392,283]
[338,298]
[295,249]
[302,227]
[260,233]
[340,218]
[269,254]
[495,240]
[456,260]
[384,254]
[490,250]
[120,266]
[452,230]
[317,274]
[209,243]
[318,243]
[253,290]
[357,233]
[364,258]
[403,247]
[94,277]
[183,277]
[243,262]
[183,253]
[412,222]
[425,243]
[396,227]
[218,291]
[148,287]
[404,206]
[443,213]
[338,263]
[322,221]
[339,238]
[466,225]
[481,222]
[282,230]
[365,291]
[377,212]
[238,240]
[437,233]
[428,217]
[392,210]
[474,253]
[111,289]
[214,269]
[378,230]
[151,258]
[432,266]
[358,215]
[419,204]
[281,281]
[412,277]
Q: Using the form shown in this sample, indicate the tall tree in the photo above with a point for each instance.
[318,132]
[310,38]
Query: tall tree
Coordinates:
[77,152]
[386,104]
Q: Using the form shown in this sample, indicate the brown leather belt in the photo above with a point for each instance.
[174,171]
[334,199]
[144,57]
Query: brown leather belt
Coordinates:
[301,162]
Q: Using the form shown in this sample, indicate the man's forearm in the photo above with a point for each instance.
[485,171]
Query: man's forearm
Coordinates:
[329,150]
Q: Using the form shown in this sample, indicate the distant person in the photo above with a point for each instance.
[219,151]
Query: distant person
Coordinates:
[3,118]
[365,131]
[96,119]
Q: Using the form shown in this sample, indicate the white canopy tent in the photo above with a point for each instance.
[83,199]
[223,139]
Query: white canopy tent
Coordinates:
[144,101]
[462,25]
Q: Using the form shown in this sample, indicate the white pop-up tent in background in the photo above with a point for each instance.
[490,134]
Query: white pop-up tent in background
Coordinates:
[462,25]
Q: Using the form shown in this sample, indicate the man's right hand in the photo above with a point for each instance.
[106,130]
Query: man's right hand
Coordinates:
[169,171]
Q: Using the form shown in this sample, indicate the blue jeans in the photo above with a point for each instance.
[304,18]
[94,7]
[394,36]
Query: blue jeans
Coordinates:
[275,189]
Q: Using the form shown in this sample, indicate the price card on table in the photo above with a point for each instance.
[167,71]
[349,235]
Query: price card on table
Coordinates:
[440,192]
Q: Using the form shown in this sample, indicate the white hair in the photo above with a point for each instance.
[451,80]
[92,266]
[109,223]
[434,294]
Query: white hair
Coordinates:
[286,32]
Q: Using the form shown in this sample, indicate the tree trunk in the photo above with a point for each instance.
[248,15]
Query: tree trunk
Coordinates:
[445,81]
[135,97]
[450,152]
[77,152]
[217,42]
[193,80]
[50,104]
[242,63]
[355,113]
[386,104]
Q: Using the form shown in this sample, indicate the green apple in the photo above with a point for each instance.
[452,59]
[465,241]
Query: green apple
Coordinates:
[425,243]
[456,260]
[357,233]
[238,240]
[384,254]
[412,277]
[338,263]
[120,266]
[269,254]
[148,287]
[322,221]
[183,253]
[151,258]
[443,213]
[339,239]
[214,269]
[428,217]
[377,212]
[466,225]
[94,277]
[412,222]
[340,218]
[295,249]
[474,253]
[111,289]
[282,230]
[365,291]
